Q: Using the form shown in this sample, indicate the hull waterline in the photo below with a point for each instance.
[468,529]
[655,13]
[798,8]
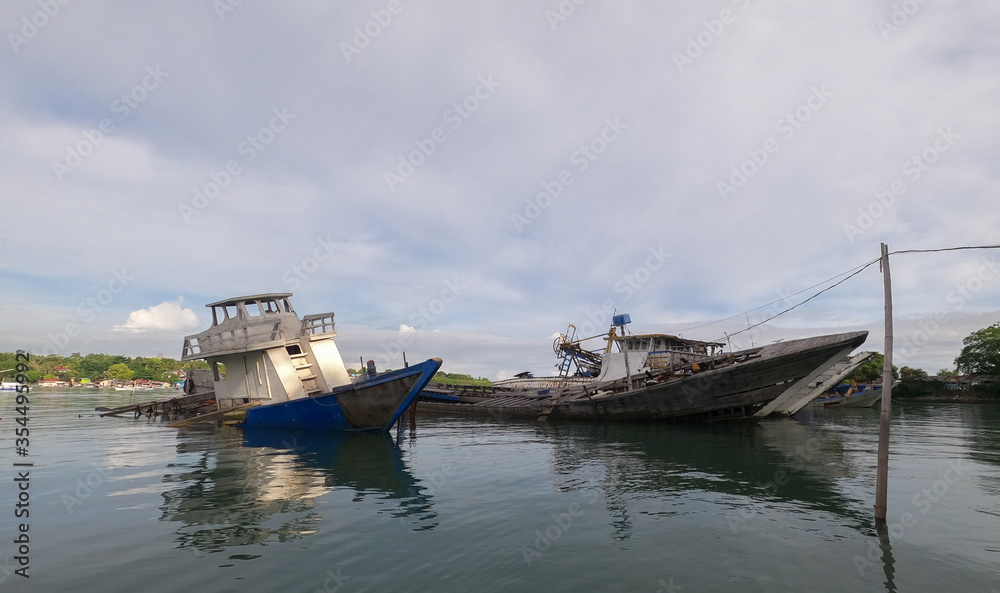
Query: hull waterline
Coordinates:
[374,404]
[732,390]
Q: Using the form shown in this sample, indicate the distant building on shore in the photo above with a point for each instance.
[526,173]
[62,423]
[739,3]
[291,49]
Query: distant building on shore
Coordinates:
[967,382]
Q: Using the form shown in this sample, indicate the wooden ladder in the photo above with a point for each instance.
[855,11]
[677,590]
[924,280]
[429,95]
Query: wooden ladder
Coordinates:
[304,369]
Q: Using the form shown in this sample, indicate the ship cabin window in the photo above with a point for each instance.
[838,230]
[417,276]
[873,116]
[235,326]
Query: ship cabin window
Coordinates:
[287,306]
[218,372]
[671,343]
[252,308]
[269,306]
[224,313]
[637,344]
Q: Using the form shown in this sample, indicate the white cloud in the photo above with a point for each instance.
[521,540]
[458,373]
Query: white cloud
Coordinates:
[406,329]
[167,316]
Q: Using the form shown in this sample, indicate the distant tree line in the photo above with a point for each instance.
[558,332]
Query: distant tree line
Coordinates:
[980,356]
[445,378]
[460,379]
[871,370]
[97,367]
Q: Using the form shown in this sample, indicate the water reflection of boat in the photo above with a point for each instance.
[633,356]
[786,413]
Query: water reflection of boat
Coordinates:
[747,463]
[364,462]
[243,489]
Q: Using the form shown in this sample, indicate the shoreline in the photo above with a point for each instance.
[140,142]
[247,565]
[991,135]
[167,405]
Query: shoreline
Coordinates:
[947,398]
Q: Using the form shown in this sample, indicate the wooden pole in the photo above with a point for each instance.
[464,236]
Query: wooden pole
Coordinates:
[882,472]
[628,370]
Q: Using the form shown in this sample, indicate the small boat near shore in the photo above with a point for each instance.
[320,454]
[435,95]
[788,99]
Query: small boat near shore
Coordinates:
[865,397]
[676,380]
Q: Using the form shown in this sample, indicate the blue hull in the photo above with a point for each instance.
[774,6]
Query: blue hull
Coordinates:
[373,404]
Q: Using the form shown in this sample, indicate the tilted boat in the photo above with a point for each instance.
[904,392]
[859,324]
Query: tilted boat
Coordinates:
[621,355]
[674,379]
[286,372]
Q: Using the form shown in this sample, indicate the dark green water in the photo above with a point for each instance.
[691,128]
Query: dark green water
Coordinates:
[131,505]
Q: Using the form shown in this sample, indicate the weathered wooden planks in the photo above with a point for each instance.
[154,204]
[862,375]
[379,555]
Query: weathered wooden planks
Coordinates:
[216,415]
[184,404]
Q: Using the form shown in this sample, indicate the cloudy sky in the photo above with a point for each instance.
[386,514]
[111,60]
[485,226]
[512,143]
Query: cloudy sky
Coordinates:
[463,180]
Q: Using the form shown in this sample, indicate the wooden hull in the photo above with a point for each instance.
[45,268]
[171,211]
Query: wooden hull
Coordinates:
[374,404]
[731,391]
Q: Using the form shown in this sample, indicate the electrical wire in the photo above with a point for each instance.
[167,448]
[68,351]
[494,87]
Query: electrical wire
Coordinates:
[945,249]
[852,271]
[831,287]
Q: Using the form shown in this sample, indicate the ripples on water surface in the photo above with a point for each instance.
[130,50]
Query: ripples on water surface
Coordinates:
[119,504]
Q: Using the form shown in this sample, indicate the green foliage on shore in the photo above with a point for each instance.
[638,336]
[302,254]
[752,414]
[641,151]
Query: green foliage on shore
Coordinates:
[871,370]
[908,389]
[981,352]
[911,374]
[96,366]
[443,378]
[991,390]
[936,389]
[460,379]
[120,371]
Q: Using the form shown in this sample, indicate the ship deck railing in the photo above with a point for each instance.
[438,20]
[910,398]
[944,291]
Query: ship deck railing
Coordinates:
[255,334]
[320,323]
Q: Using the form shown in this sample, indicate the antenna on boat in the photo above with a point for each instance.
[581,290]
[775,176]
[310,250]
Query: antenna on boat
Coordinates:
[747,313]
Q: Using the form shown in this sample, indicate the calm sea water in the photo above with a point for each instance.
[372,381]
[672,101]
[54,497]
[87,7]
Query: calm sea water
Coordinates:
[119,504]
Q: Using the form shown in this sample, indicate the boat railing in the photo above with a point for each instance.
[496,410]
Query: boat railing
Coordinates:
[668,360]
[536,383]
[253,334]
[319,323]
[664,364]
